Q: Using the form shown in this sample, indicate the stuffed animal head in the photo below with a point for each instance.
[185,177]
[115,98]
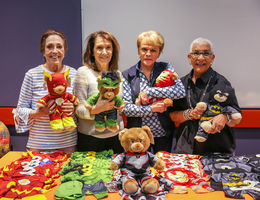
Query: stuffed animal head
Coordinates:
[166,78]
[220,96]
[108,84]
[223,95]
[136,140]
[57,82]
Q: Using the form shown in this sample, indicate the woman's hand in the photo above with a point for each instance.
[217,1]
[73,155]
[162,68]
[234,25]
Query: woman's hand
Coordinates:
[218,123]
[158,107]
[43,110]
[119,109]
[101,106]
[68,107]
[195,113]
[143,97]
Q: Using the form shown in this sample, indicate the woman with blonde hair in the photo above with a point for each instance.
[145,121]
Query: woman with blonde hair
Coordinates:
[141,78]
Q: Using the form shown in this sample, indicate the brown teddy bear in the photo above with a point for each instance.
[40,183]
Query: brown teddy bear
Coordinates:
[135,162]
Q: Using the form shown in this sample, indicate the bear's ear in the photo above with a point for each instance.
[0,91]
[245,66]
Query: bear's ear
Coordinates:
[121,133]
[149,133]
[47,76]
[68,81]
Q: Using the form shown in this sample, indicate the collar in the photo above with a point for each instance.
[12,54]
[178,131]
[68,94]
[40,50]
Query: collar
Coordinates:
[205,77]
[135,154]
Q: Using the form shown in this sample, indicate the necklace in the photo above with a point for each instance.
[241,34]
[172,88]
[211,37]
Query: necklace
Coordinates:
[202,96]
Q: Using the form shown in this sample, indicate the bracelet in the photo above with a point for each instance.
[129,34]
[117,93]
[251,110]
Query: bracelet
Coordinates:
[186,114]
[228,117]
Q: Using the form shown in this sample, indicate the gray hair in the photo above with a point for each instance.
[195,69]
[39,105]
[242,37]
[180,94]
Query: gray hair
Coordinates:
[201,39]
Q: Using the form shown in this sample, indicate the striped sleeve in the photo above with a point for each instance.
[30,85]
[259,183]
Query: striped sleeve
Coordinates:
[23,109]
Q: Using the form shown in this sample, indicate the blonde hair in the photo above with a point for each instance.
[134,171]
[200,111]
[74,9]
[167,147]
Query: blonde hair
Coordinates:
[151,37]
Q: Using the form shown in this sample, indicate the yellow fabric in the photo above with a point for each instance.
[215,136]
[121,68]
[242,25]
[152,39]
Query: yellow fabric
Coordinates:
[57,124]
[35,197]
[68,122]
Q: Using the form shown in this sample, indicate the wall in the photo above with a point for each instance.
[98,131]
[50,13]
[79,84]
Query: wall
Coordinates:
[231,25]
[22,24]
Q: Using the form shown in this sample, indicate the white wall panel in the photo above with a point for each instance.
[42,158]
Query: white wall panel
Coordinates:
[233,26]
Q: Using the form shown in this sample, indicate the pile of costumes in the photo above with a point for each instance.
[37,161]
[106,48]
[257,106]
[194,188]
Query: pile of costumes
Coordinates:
[34,173]
[185,171]
[86,173]
[235,175]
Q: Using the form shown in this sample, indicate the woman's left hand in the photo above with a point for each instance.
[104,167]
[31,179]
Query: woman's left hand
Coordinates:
[68,107]
[119,109]
[158,107]
[218,123]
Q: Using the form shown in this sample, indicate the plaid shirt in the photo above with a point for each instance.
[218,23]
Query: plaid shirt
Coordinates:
[150,118]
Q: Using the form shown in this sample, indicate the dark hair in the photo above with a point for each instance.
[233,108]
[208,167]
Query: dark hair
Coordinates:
[113,75]
[88,56]
[49,32]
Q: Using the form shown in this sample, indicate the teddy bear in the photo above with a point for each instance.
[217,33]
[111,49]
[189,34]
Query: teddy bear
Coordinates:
[218,105]
[108,86]
[165,79]
[135,162]
[57,84]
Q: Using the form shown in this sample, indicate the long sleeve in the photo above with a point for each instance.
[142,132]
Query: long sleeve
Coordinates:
[132,110]
[176,91]
[81,92]
[24,107]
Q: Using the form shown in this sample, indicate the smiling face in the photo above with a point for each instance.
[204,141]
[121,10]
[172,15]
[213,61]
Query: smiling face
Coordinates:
[201,58]
[148,54]
[54,52]
[103,51]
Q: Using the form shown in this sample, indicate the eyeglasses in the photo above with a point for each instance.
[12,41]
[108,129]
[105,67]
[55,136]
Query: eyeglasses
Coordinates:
[204,54]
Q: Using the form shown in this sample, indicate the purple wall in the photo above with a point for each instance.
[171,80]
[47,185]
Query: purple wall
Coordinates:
[22,24]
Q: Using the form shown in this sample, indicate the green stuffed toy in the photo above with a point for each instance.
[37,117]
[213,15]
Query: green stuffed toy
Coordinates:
[108,86]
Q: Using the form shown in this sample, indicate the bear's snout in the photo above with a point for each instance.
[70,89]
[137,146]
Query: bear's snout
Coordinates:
[137,147]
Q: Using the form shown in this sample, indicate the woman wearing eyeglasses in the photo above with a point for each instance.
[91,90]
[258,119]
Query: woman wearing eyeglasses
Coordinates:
[199,83]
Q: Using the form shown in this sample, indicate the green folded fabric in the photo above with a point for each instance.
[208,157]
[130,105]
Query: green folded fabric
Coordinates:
[70,190]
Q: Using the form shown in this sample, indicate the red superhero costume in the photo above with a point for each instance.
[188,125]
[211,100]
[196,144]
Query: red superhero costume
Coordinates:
[33,173]
[165,79]
[57,84]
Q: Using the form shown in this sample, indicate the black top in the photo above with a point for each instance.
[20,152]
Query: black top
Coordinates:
[218,142]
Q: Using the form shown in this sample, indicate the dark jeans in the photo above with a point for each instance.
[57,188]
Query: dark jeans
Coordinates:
[90,143]
[162,144]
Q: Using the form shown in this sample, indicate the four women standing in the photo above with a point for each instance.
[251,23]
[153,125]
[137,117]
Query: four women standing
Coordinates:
[101,54]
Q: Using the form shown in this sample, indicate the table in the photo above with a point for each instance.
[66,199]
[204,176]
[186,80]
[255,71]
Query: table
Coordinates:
[217,195]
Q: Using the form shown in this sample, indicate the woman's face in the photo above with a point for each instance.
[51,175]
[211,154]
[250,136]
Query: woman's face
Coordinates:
[201,58]
[148,54]
[103,51]
[54,51]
